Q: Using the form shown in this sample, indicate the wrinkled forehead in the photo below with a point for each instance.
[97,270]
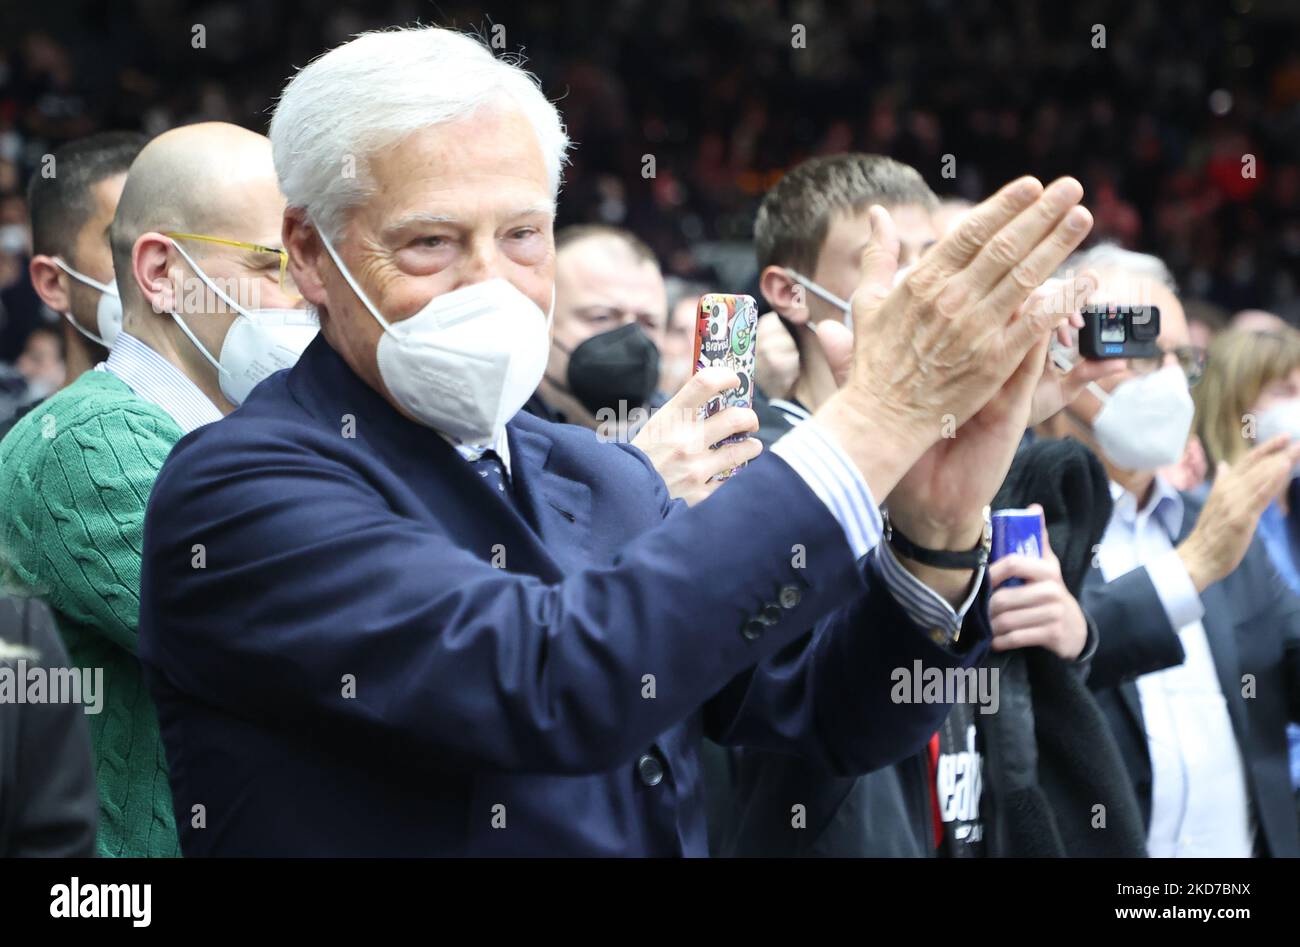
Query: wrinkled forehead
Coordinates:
[488,163]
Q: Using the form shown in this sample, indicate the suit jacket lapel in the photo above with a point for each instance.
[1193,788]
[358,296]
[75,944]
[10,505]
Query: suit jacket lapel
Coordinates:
[556,505]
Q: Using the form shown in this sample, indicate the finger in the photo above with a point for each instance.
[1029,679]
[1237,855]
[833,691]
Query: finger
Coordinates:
[1048,554]
[703,387]
[728,421]
[1013,403]
[1021,618]
[976,229]
[1024,638]
[1085,373]
[1259,452]
[836,340]
[1016,241]
[1019,282]
[733,455]
[1041,586]
[876,266]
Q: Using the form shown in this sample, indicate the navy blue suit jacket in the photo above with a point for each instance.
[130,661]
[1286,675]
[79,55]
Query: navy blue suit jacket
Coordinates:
[374,653]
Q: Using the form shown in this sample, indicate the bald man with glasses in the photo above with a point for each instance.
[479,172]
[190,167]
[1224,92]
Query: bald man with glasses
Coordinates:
[208,311]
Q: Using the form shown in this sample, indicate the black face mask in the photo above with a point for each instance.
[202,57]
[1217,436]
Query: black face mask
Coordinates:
[619,365]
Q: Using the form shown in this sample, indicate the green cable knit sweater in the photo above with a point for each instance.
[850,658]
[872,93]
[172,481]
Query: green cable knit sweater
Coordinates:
[75,475]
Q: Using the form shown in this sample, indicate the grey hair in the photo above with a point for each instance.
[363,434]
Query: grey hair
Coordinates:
[1114,258]
[376,89]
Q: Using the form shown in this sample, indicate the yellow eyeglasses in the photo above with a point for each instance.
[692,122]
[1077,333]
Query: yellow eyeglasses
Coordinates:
[286,281]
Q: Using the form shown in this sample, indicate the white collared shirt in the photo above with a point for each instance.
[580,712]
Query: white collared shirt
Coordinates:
[472,452]
[157,380]
[1200,804]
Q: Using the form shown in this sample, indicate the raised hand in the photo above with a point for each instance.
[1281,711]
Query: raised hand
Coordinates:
[1227,523]
[931,352]
[679,444]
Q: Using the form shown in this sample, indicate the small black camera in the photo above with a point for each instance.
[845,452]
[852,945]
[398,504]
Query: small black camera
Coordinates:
[1117,331]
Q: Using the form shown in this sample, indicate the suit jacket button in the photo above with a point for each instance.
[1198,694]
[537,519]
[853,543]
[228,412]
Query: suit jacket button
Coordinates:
[771,613]
[790,596]
[650,769]
[753,629]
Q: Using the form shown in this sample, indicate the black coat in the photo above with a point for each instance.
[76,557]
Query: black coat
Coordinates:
[48,802]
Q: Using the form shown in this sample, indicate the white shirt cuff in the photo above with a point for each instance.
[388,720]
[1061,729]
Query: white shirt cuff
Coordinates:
[1175,589]
[922,604]
[829,473]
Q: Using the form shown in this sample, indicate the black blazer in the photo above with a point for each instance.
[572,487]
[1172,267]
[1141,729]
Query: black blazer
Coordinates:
[48,802]
[1252,623]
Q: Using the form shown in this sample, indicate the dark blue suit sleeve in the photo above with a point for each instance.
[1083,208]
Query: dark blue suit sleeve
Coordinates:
[317,606]
[827,696]
[1135,636]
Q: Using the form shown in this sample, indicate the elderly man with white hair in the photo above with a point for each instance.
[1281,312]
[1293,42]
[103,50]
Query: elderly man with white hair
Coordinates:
[386,613]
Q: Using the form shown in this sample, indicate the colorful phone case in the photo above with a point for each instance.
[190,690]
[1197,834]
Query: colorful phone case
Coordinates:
[726,335]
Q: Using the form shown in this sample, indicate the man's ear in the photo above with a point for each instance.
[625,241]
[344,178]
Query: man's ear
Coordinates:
[50,283]
[786,297]
[150,258]
[306,255]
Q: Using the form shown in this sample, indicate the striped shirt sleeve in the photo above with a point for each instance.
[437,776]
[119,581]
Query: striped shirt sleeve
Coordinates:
[832,476]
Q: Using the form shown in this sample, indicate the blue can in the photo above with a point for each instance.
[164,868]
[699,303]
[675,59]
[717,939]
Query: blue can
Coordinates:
[1017,531]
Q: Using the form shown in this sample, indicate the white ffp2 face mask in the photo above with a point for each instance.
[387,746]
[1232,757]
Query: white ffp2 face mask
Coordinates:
[1282,418]
[108,314]
[1144,423]
[468,361]
[258,344]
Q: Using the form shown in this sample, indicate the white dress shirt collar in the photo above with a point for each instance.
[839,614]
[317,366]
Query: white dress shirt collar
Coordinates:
[1165,503]
[157,380]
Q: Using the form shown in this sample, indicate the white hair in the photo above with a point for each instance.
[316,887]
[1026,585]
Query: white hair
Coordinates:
[1114,258]
[376,89]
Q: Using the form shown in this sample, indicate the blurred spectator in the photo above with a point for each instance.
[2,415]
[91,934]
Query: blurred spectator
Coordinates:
[677,346]
[41,363]
[1183,129]
[1250,393]
[1204,321]
[1257,320]
[610,310]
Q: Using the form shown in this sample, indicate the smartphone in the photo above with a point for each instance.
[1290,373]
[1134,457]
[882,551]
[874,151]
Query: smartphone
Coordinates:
[1115,331]
[726,335]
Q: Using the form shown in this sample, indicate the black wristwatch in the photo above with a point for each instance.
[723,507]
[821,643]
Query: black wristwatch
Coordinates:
[976,558]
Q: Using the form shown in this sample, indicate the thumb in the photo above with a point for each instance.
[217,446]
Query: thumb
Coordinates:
[877,266]
[836,340]
[1048,553]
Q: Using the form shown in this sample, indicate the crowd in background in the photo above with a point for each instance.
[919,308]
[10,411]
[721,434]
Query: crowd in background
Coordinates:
[748,145]
[1155,124]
